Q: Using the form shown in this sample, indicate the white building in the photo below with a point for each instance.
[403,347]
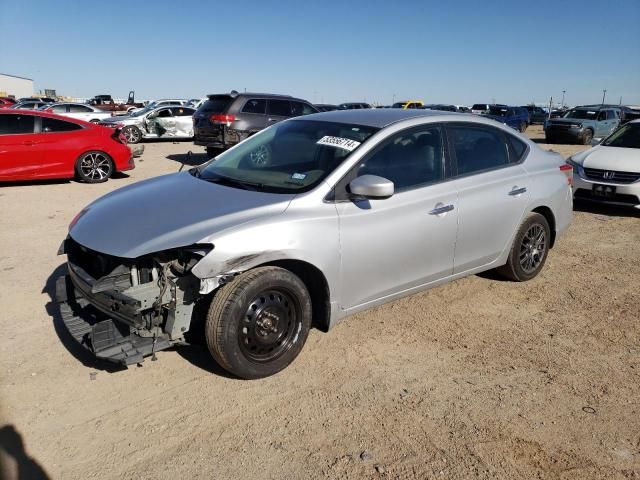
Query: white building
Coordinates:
[15,86]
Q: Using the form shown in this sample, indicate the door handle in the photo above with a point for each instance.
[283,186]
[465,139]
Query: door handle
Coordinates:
[515,191]
[29,143]
[441,208]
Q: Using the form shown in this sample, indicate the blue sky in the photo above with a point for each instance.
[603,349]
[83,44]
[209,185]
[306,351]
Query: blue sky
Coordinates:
[454,51]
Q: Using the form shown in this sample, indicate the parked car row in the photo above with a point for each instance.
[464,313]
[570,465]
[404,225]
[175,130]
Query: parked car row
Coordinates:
[40,145]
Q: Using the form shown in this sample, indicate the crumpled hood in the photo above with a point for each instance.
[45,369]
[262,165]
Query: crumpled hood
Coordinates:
[609,158]
[166,212]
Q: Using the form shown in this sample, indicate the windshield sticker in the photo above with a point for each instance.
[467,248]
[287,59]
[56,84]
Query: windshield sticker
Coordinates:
[345,143]
[298,176]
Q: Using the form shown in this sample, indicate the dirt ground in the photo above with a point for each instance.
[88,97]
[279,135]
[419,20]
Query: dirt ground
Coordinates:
[481,378]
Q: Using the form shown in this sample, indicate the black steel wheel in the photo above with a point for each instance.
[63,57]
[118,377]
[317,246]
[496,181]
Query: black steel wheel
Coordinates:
[530,248]
[94,167]
[258,323]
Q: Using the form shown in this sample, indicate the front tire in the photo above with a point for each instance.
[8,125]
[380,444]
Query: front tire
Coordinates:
[587,137]
[258,323]
[94,167]
[132,134]
[529,250]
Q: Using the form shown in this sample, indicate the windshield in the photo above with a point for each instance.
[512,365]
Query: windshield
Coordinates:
[626,137]
[479,106]
[290,157]
[582,114]
[498,111]
[143,111]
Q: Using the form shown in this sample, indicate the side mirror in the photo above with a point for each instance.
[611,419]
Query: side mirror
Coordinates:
[596,141]
[371,186]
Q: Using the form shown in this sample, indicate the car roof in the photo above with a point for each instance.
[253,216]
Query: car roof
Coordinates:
[249,94]
[379,117]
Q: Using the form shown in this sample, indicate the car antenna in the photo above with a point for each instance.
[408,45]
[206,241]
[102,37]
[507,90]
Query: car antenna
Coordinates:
[189,155]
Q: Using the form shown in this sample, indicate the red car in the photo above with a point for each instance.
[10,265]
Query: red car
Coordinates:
[36,145]
[6,102]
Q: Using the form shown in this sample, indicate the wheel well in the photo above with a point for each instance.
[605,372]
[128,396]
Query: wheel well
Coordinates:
[317,286]
[548,214]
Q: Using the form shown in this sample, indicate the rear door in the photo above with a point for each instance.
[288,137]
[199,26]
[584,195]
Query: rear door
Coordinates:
[20,153]
[492,192]
[278,110]
[182,121]
[81,112]
[253,115]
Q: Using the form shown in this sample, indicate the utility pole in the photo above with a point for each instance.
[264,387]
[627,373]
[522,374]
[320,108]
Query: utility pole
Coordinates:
[563,91]
[393,99]
[620,101]
[604,94]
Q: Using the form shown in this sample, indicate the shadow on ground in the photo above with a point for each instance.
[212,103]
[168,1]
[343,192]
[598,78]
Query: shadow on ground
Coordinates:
[15,463]
[190,158]
[604,209]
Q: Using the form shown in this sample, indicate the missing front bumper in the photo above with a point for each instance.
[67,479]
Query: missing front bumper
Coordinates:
[104,337]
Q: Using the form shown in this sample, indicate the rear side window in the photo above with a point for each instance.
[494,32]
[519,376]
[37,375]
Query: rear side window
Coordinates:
[478,149]
[79,109]
[299,108]
[182,111]
[517,149]
[255,105]
[59,109]
[280,107]
[216,104]
[16,124]
[53,125]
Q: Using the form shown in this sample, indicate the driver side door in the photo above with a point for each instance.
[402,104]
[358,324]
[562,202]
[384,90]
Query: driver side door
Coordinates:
[392,246]
[160,122]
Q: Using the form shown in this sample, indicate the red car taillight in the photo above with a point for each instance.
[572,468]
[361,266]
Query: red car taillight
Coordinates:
[221,118]
[568,171]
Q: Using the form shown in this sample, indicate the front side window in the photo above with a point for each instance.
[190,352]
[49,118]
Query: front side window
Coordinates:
[409,159]
[280,108]
[478,148]
[255,105]
[164,113]
[290,157]
[52,125]
[16,124]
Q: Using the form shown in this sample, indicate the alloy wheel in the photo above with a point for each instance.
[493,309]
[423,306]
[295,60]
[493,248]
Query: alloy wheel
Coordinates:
[95,166]
[533,248]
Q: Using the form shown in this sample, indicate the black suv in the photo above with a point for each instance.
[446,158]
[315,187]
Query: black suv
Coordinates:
[226,119]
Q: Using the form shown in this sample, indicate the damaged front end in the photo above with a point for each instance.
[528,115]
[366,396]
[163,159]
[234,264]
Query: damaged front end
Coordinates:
[124,309]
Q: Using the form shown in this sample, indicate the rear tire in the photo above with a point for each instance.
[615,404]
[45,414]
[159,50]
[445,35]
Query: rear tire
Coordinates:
[94,167]
[258,323]
[529,250]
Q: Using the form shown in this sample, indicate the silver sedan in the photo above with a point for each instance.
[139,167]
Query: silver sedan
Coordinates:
[304,223]
[155,122]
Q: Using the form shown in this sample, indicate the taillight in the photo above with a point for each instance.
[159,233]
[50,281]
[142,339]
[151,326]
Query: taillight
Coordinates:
[221,118]
[568,171]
